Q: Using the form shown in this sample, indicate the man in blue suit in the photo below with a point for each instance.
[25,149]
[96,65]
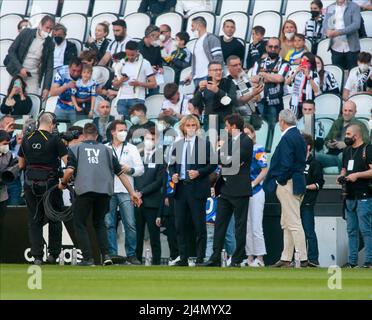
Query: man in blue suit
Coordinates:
[286,177]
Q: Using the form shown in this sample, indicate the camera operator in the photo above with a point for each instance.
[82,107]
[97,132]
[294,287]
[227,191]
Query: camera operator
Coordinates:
[356,178]
[40,156]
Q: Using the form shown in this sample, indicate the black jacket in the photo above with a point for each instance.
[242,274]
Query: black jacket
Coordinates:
[150,184]
[313,175]
[101,51]
[151,54]
[18,52]
[20,107]
[70,52]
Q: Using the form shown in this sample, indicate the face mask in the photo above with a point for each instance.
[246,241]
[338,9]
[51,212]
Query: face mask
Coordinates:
[196,33]
[74,78]
[135,120]
[289,35]
[160,126]
[363,67]
[119,38]
[121,136]
[156,43]
[44,34]
[58,40]
[349,141]
[162,37]
[314,14]
[149,144]
[273,55]
[4,149]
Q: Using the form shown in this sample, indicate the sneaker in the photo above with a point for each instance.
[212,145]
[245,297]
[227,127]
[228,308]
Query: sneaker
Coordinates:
[228,262]
[51,259]
[86,263]
[173,262]
[257,263]
[133,260]
[313,264]
[350,266]
[367,265]
[38,262]
[244,263]
[107,261]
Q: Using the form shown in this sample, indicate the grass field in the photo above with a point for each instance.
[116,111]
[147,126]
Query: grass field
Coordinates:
[150,283]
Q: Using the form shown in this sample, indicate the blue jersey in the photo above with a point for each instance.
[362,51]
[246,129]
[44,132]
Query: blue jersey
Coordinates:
[85,91]
[259,162]
[63,77]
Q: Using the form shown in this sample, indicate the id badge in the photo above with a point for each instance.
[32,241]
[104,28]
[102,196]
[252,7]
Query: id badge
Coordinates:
[350,165]
[151,165]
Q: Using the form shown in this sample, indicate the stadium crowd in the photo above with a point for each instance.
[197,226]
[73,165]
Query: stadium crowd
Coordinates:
[120,85]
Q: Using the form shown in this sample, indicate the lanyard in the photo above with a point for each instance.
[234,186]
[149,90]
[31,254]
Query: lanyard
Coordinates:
[121,152]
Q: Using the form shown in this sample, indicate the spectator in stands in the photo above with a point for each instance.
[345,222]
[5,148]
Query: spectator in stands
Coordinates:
[357,81]
[23,24]
[314,183]
[64,50]
[327,80]
[168,44]
[305,82]
[189,7]
[257,47]
[313,27]
[246,92]
[103,121]
[149,47]
[136,76]
[216,96]
[154,8]
[271,72]
[64,81]
[229,44]
[119,28]
[31,57]
[17,102]
[364,4]
[335,138]
[84,95]
[294,55]
[207,48]
[255,242]
[341,24]
[288,32]
[181,57]
[176,103]
[99,43]
[140,124]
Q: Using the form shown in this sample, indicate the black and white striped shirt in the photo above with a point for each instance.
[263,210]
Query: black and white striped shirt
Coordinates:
[329,83]
[313,30]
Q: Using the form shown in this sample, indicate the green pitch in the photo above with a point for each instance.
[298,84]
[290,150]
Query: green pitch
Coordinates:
[146,283]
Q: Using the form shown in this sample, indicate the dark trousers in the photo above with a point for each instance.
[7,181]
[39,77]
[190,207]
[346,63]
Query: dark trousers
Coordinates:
[98,204]
[346,60]
[226,207]
[2,216]
[308,223]
[148,216]
[168,221]
[37,219]
[185,206]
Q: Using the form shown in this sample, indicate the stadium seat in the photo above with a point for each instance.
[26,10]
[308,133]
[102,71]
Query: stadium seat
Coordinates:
[367,17]
[364,120]
[261,134]
[36,18]
[235,5]
[363,102]
[173,19]
[78,45]
[109,17]
[366,44]
[323,51]
[131,6]
[185,6]
[101,6]
[5,79]
[4,47]
[14,7]
[8,26]
[39,6]
[186,89]
[308,44]
[337,72]
[209,17]
[36,105]
[286,101]
[296,5]
[191,45]
[98,101]
[101,75]
[326,123]
[169,76]
[154,104]
[50,104]
[71,6]
[276,138]
[137,24]
[70,21]
[242,23]
[300,17]
[114,110]
[328,105]
[83,122]
[265,5]
[272,29]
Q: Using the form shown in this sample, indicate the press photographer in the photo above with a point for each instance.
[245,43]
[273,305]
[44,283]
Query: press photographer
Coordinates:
[356,177]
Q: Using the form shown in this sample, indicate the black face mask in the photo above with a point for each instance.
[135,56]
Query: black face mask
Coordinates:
[314,14]
[119,38]
[273,55]
[74,78]
[58,40]
[349,141]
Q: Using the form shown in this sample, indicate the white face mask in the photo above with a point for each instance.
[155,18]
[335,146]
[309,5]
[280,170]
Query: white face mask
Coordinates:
[122,135]
[363,67]
[4,148]
[135,120]
[156,43]
[162,37]
[149,144]
[196,33]
[43,34]
[289,35]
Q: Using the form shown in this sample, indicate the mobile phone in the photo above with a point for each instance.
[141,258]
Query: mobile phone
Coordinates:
[124,75]
[210,79]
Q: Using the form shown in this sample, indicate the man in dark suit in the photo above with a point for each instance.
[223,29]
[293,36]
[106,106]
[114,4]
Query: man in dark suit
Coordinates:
[190,172]
[235,189]
[149,187]
[286,177]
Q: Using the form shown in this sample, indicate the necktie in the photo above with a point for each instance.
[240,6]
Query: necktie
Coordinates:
[187,157]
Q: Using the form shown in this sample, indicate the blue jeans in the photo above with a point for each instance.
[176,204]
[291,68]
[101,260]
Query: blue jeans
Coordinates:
[14,192]
[62,114]
[329,160]
[126,209]
[359,217]
[125,104]
[308,223]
